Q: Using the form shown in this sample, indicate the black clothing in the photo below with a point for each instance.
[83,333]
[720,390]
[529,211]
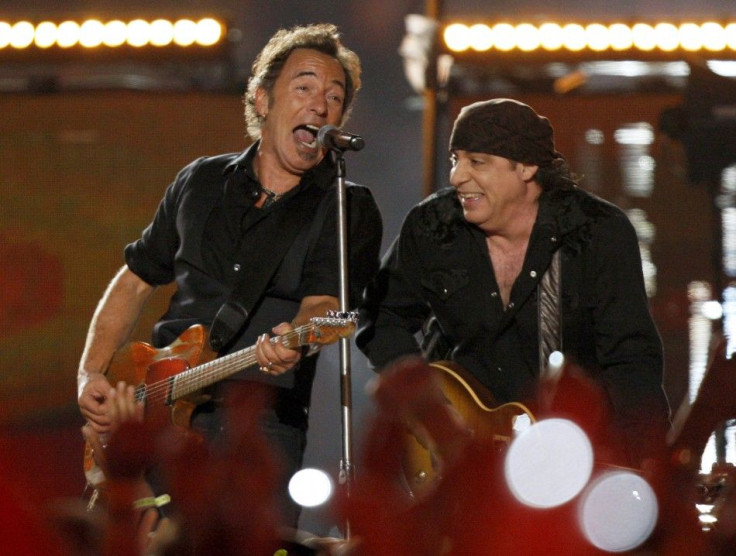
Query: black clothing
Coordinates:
[207,228]
[440,264]
[205,231]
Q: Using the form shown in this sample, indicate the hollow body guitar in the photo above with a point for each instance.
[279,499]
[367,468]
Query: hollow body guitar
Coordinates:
[169,380]
[481,413]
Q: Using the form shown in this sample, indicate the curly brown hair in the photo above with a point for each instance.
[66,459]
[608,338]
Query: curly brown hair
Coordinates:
[323,37]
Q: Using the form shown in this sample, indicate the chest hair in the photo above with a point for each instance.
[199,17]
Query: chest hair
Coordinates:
[508,261]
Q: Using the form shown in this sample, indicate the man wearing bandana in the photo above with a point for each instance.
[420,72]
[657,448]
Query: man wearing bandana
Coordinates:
[476,257]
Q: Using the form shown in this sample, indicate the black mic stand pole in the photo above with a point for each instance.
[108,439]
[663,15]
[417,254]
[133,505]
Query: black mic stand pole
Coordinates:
[346,463]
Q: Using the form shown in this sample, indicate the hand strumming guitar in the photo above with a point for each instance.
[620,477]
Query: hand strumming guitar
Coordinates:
[93,400]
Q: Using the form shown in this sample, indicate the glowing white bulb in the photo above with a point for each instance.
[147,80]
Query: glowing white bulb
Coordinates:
[310,487]
[549,463]
[618,511]
[712,310]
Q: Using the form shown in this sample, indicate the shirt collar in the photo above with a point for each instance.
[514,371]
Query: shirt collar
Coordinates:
[321,175]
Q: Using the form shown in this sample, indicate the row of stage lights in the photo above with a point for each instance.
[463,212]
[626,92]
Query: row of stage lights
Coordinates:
[595,37]
[93,33]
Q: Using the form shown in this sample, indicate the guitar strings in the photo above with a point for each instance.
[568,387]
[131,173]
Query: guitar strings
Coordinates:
[195,377]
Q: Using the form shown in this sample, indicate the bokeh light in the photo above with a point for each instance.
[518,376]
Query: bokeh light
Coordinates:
[549,463]
[618,511]
[310,487]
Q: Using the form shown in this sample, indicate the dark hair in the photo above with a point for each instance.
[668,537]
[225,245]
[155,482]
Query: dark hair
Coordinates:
[556,175]
[323,37]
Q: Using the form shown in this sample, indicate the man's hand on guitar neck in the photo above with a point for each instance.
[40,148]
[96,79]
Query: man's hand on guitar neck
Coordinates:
[94,393]
[275,358]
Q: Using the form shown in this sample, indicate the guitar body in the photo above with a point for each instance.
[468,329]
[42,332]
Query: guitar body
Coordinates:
[488,421]
[141,365]
[170,380]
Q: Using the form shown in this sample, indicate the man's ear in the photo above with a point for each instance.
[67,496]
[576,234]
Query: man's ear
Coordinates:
[528,171]
[261,102]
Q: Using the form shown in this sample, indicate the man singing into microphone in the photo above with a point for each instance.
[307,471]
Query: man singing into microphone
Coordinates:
[214,235]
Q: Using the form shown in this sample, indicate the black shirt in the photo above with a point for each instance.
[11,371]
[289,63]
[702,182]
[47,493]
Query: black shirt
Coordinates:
[206,230]
[440,265]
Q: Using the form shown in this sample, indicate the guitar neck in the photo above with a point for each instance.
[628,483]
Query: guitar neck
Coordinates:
[218,369]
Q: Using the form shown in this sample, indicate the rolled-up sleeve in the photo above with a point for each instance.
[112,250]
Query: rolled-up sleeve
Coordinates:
[151,257]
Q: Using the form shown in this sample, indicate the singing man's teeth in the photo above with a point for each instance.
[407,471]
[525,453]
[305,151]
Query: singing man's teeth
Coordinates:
[315,130]
[470,196]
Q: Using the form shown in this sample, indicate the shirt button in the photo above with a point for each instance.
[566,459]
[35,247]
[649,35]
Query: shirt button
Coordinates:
[553,239]
[494,294]
[236,267]
[533,274]
[511,305]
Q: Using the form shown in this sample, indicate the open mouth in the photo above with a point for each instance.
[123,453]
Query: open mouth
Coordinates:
[469,196]
[306,135]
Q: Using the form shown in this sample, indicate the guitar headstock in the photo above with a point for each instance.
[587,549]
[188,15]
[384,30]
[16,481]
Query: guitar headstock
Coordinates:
[327,330]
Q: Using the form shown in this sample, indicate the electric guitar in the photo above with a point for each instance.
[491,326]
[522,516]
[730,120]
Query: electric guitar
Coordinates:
[171,379]
[485,418]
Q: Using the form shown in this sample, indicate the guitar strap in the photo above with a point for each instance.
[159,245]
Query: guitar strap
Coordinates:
[549,294]
[255,276]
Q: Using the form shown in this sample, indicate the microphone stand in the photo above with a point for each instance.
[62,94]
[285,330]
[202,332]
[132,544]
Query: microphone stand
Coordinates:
[346,463]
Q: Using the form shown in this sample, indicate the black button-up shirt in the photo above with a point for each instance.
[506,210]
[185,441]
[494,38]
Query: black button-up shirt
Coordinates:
[440,265]
[206,231]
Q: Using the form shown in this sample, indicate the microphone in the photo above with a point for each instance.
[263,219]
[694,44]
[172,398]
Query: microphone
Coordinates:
[331,137]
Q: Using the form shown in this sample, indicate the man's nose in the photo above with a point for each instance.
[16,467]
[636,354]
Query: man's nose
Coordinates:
[319,106]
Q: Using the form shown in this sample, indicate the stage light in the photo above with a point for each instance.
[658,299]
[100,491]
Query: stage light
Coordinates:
[690,38]
[4,34]
[91,33]
[457,37]
[644,37]
[550,36]
[21,34]
[310,487]
[596,36]
[115,33]
[138,33]
[573,37]
[46,34]
[714,36]
[185,32]
[209,32]
[549,463]
[665,37]
[730,34]
[621,37]
[162,32]
[68,34]
[618,511]
[527,37]
[481,37]
[504,37]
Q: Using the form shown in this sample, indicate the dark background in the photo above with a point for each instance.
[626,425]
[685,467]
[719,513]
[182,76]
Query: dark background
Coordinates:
[82,168]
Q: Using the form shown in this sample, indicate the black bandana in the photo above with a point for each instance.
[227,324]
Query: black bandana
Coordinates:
[505,127]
